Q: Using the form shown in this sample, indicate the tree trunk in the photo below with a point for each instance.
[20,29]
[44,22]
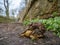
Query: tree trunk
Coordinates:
[25,11]
[39,8]
[6,5]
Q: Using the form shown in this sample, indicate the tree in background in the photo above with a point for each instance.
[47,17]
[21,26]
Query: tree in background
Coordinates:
[6,5]
[1,11]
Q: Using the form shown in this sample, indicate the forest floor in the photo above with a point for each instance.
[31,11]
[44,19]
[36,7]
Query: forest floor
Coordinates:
[9,35]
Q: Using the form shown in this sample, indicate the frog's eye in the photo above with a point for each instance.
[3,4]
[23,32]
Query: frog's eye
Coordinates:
[50,0]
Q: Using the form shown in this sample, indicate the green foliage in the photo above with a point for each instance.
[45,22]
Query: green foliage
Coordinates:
[55,13]
[52,24]
[26,22]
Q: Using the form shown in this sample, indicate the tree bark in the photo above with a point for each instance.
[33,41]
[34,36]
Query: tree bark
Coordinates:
[6,5]
[39,8]
[26,10]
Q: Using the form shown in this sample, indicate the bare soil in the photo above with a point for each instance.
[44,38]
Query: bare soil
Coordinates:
[9,35]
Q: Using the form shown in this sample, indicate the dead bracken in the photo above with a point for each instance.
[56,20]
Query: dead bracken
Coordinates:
[34,31]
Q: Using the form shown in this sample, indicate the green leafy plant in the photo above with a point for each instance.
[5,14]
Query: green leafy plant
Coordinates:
[52,24]
[54,13]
